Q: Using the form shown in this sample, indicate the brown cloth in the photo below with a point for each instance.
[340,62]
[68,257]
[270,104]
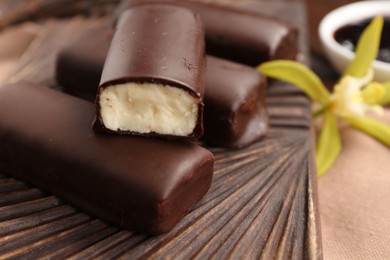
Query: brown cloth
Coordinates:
[354,198]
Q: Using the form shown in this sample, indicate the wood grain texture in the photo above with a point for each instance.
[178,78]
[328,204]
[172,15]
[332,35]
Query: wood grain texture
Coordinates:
[262,202]
[16,11]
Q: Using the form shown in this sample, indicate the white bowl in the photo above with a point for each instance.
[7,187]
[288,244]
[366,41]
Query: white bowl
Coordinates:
[340,56]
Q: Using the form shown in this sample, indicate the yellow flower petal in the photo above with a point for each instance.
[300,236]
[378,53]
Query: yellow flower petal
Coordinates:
[329,144]
[374,128]
[367,49]
[386,97]
[374,93]
[348,99]
[299,75]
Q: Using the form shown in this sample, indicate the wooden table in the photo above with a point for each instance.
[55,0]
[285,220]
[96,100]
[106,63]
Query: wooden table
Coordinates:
[262,202]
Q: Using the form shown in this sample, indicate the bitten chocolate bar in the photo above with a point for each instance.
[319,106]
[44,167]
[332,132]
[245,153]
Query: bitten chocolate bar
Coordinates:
[153,78]
[143,184]
[235,114]
[235,34]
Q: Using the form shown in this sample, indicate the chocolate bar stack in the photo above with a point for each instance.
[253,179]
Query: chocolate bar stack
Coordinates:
[131,159]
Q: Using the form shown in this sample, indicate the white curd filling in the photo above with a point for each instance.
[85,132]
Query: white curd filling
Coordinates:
[148,107]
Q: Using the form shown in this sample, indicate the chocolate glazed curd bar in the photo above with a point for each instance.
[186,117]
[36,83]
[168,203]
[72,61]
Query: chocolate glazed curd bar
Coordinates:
[235,34]
[153,78]
[235,114]
[143,184]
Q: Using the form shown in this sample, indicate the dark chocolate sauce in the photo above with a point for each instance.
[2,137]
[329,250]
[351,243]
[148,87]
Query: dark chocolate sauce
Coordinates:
[348,37]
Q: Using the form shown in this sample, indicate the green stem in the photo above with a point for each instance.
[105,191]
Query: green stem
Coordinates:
[319,112]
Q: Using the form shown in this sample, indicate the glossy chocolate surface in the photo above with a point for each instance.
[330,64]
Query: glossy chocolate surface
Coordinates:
[80,64]
[349,35]
[235,114]
[142,184]
[157,44]
[87,53]
[237,35]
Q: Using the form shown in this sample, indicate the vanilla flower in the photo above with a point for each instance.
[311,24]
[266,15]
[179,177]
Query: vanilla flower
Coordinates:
[354,95]
[348,100]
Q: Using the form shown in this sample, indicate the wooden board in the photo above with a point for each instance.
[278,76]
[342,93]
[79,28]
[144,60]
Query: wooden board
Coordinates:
[262,202]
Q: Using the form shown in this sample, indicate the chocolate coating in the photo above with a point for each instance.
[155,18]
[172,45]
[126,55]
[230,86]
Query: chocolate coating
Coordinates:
[87,53]
[235,114]
[235,34]
[142,184]
[157,44]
